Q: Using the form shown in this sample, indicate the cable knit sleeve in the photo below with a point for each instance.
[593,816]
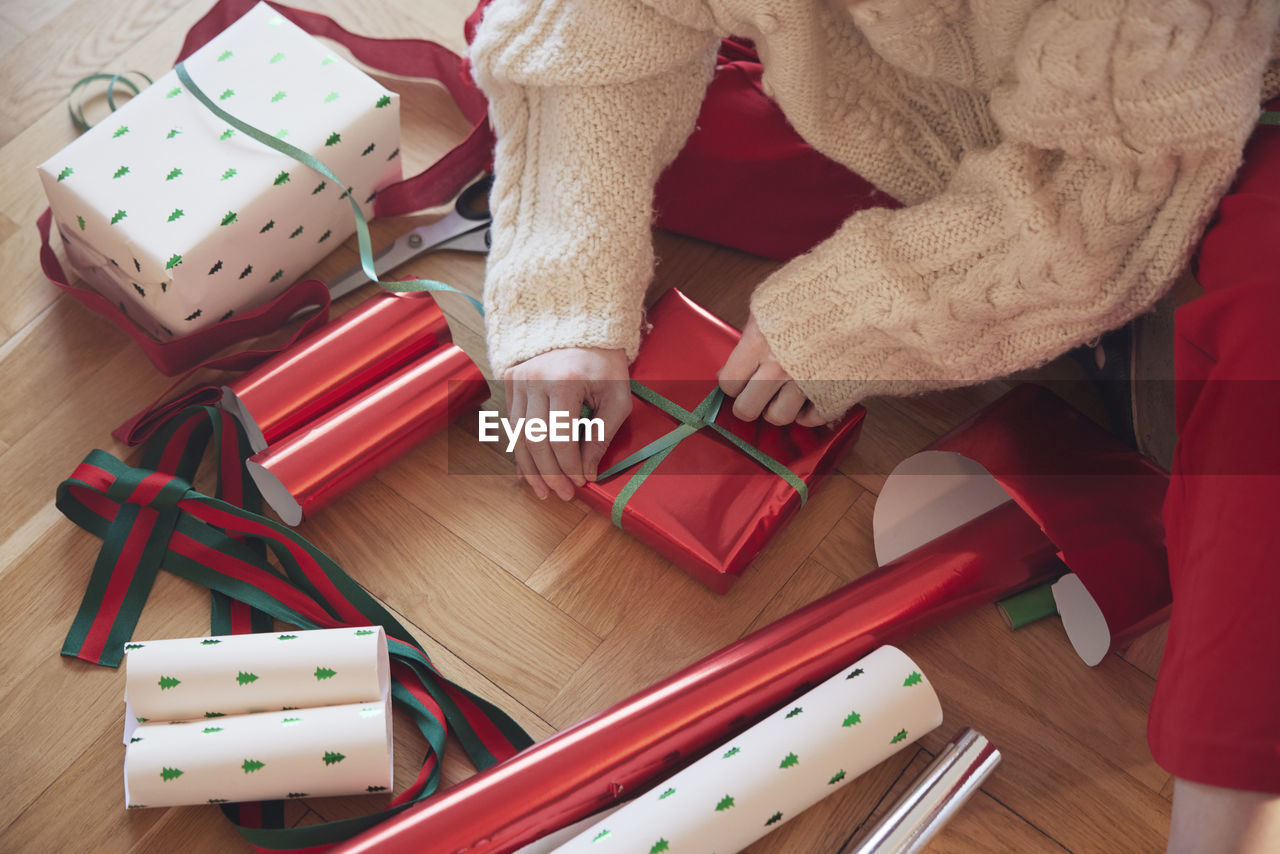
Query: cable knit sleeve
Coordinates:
[590,100]
[1121,125]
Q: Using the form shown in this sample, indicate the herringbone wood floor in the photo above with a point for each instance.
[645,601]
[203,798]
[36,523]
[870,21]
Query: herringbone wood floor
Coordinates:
[543,607]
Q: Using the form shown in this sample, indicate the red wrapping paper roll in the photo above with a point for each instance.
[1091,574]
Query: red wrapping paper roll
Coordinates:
[640,740]
[324,459]
[340,360]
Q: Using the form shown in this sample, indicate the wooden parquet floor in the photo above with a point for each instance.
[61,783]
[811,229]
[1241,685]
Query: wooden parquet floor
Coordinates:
[543,607]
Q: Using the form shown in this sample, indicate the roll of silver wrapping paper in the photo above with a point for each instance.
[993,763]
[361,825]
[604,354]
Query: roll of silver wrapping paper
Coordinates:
[935,796]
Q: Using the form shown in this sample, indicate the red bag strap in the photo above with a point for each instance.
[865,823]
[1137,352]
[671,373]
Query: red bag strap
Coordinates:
[439,182]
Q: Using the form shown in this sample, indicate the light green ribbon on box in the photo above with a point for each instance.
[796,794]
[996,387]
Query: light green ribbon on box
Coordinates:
[702,416]
[362,225]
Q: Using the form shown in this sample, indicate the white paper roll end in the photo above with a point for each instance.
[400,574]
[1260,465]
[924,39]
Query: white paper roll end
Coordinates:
[275,494]
[232,403]
[1086,626]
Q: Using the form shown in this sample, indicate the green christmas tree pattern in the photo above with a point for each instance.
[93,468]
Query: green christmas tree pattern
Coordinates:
[279,96]
[855,673]
[172,133]
[209,730]
[330,58]
[218,800]
[121,172]
[224,56]
[901,736]
[789,761]
[215,714]
[724,803]
[245,678]
[836,778]
[375,788]
[383,101]
[791,714]
[276,58]
[295,232]
[603,834]
[370,711]
[229,174]
[229,218]
[174,92]
[369,150]
[297,794]
[282,178]
[732,751]
[135,739]
[131,646]
[175,172]
[331,97]
[334,139]
[285,637]
[324,673]
[852,719]
[206,641]
[668,793]
[178,213]
[271,223]
[333,758]
[80,220]
[120,131]
[660,846]
[226,93]
[167,774]
[167,682]
[117,216]
[364,633]
[914,679]
[320,187]
[276,275]
[290,721]
[227,134]
[66,173]
[325,236]
[774,819]
[251,765]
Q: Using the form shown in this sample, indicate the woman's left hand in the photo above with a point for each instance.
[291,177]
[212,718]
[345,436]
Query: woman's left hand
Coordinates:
[759,383]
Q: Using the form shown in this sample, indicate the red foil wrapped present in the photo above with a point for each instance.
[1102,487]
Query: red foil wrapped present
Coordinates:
[311,467]
[335,363]
[708,507]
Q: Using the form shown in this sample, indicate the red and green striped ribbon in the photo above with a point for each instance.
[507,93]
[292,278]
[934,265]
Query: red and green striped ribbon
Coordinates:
[150,517]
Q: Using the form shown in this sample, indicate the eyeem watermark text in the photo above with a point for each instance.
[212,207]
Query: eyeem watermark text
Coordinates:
[559,428]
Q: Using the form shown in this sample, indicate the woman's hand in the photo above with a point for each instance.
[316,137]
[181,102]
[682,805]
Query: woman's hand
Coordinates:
[563,380]
[759,383]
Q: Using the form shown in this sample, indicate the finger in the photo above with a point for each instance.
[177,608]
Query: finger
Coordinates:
[544,460]
[612,407]
[760,389]
[568,454]
[809,416]
[786,404]
[526,469]
[738,370]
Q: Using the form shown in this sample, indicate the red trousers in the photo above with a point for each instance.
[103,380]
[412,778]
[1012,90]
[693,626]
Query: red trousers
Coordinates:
[1216,714]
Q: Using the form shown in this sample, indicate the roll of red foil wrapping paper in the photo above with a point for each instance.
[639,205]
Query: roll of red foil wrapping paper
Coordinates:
[708,508]
[1098,499]
[328,456]
[619,752]
[338,361]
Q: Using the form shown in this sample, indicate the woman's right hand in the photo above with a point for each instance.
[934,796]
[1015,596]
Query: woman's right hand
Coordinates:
[564,380]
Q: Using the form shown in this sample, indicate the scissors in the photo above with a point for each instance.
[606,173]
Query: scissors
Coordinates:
[464,229]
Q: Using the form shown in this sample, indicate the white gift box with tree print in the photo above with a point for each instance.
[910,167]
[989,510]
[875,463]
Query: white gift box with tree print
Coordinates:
[184,221]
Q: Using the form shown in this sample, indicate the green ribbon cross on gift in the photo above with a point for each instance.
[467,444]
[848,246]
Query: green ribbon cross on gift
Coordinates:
[702,416]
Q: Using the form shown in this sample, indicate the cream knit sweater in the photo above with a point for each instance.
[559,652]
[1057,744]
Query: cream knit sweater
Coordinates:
[1057,162]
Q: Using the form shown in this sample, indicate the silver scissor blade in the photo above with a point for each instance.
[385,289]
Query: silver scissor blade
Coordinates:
[409,246]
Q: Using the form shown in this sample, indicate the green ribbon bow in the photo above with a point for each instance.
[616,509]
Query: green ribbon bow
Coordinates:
[702,416]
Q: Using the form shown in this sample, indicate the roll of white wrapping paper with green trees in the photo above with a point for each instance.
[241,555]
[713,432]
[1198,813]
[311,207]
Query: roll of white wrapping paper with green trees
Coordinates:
[312,752]
[754,783]
[257,716]
[210,677]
